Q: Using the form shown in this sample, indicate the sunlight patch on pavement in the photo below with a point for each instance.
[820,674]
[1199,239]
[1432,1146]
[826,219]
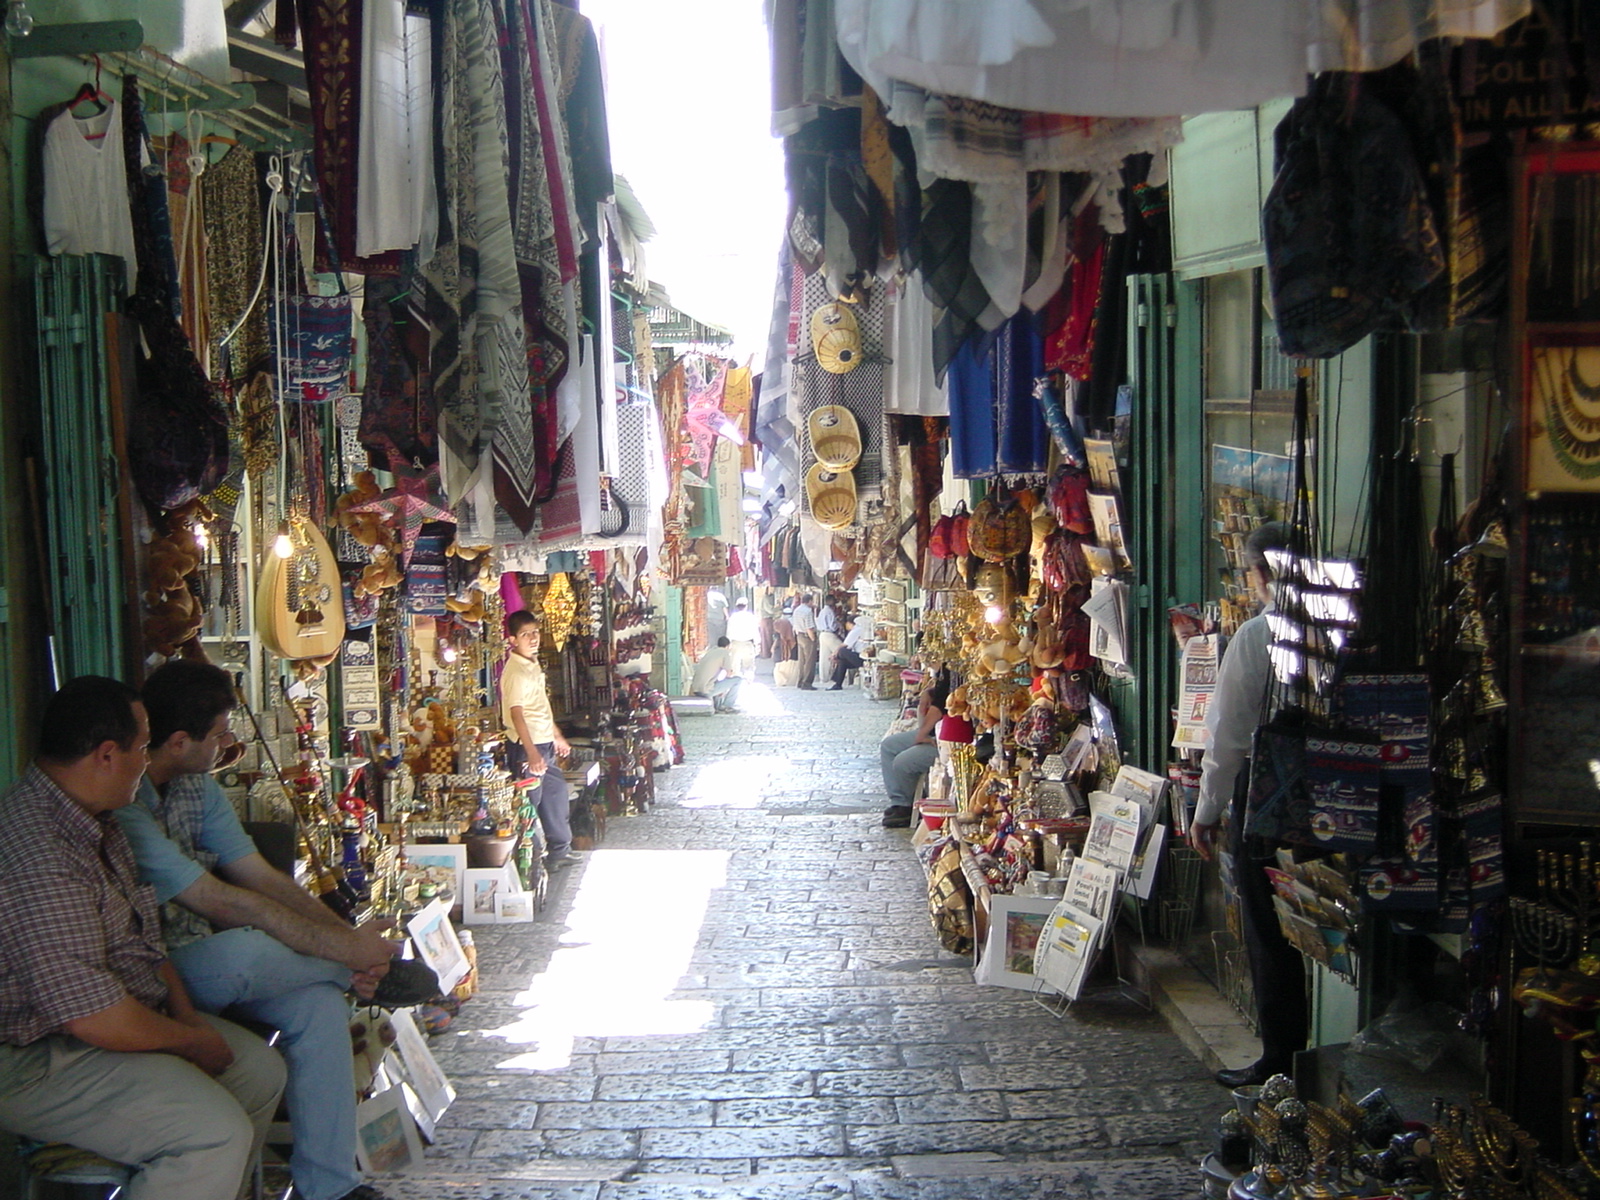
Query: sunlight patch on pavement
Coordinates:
[760,700]
[738,782]
[629,940]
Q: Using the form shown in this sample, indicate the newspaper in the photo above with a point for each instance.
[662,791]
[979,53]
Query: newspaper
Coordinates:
[1198,679]
[1066,949]
[1113,830]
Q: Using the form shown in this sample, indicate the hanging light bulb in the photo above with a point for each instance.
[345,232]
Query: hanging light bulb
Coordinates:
[993,613]
[448,654]
[19,21]
[282,545]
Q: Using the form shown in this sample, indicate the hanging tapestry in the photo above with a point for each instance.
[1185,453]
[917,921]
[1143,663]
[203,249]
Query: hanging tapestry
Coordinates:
[396,413]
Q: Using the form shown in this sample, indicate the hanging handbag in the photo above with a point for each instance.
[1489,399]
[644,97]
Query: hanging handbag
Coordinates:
[1311,783]
[316,336]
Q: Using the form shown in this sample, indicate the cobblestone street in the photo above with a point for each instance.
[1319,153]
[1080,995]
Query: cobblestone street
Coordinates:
[739,994]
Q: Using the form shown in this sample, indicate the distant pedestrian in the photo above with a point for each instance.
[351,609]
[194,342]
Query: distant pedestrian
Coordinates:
[830,634]
[743,628]
[805,631]
[768,609]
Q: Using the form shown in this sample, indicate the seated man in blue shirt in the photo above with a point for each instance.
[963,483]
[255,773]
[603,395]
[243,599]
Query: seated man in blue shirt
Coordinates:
[243,935]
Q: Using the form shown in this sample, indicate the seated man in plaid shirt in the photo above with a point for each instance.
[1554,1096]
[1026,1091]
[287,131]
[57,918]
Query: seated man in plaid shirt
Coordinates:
[100,1046]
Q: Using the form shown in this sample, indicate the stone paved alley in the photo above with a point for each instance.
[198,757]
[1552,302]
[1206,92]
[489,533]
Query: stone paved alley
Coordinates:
[740,995]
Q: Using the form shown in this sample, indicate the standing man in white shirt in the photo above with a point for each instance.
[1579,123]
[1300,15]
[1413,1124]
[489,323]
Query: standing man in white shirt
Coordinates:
[1237,708]
[804,619]
[533,742]
[743,629]
[830,634]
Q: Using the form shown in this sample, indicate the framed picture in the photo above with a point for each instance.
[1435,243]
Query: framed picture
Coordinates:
[437,944]
[1015,926]
[430,1092]
[483,884]
[511,908]
[445,865]
[386,1137]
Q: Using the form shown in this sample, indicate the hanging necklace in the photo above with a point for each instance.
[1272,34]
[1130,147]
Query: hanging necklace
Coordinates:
[1574,434]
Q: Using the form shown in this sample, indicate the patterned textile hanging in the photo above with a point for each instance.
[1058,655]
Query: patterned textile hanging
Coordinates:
[527,437]
[470,284]
[230,201]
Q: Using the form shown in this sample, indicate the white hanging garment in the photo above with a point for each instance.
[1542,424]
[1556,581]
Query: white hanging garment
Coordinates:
[395,204]
[911,386]
[86,188]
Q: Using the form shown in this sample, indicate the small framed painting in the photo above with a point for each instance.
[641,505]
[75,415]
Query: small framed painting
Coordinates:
[387,1140]
[1015,926]
[443,864]
[512,908]
[483,885]
[437,944]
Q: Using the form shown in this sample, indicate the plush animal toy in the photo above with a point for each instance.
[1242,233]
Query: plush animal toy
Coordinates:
[174,614]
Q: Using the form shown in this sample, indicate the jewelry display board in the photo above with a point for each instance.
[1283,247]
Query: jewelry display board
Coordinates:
[1553,568]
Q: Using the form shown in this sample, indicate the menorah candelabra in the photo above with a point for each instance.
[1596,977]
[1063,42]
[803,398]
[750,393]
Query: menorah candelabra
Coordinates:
[1563,923]
[1482,1153]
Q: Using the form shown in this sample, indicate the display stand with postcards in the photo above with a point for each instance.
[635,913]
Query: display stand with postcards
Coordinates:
[1119,859]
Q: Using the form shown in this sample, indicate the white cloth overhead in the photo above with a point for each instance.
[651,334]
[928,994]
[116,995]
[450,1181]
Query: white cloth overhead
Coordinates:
[86,188]
[1143,58]
[395,204]
[1249,52]
[1368,35]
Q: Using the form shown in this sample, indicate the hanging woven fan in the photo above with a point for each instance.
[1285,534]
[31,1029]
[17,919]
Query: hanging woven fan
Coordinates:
[836,338]
[835,437]
[832,495]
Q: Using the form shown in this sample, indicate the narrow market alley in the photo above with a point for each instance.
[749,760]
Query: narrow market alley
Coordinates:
[740,995]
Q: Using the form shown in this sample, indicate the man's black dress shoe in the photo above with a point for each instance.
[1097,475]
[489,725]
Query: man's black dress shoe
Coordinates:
[1257,1072]
[897,816]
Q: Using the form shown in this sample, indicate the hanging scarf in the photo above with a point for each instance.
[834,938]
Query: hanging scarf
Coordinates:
[331,36]
[1069,317]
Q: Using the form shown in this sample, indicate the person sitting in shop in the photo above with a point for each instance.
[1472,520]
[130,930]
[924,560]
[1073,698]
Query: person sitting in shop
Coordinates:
[101,1046]
[248,939]
[743,629]
[849,657]
[907,756]
[715,678]
[1277,970]
[533,742]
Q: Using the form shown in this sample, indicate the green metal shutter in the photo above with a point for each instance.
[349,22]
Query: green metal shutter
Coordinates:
[79,481]
[1164,501]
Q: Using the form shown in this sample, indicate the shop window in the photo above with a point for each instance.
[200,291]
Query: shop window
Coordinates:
[1249,408]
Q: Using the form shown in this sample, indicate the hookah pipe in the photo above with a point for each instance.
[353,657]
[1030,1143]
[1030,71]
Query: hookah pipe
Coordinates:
[331,887]
[345,812]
